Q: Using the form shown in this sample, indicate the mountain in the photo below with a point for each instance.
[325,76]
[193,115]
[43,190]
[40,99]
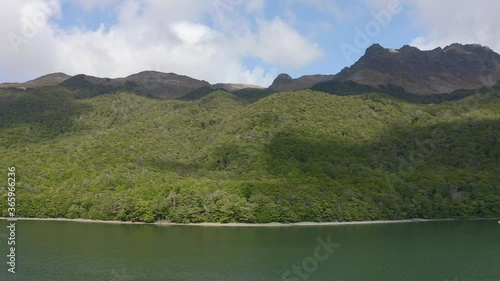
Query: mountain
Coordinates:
[425,72]
[282,83]
[285,83]
[147,83]
[164,85]
[288,157]
[408,73]
[43,81]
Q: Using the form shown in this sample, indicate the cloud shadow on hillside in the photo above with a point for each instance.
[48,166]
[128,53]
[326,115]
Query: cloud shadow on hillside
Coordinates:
[47,113]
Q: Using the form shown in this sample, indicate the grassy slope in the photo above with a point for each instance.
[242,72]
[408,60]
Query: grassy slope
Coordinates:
[305,156]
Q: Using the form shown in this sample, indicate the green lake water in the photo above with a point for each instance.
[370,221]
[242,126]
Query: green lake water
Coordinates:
[447,250]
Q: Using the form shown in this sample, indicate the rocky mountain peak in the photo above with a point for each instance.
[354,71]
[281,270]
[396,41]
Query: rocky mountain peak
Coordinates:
[436,71]
[282,79]
[374,49]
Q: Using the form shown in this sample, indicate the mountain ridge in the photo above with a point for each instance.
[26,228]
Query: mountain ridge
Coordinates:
[404,71]
[437,71]
[51,79]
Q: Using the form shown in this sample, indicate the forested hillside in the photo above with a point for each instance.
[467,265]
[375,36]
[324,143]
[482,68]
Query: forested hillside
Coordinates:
[302,156]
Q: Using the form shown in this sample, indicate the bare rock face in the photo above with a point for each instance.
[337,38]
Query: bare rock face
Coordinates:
[426,72]
[282,82]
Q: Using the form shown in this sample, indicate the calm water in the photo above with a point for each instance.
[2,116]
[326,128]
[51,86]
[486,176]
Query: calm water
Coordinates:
[52,251]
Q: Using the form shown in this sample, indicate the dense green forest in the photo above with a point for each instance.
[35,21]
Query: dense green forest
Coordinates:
[303,156]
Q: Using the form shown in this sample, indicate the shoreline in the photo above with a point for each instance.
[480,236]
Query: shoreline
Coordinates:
[216,224]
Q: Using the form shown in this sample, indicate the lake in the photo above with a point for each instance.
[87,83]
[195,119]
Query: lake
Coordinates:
[444,250]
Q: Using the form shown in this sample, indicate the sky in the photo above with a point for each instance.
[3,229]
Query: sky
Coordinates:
[234,41]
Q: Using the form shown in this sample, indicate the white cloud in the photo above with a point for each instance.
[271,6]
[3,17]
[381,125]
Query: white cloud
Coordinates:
[278,43]
[191,33]
[26,30]
[154,34]
[450,21]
